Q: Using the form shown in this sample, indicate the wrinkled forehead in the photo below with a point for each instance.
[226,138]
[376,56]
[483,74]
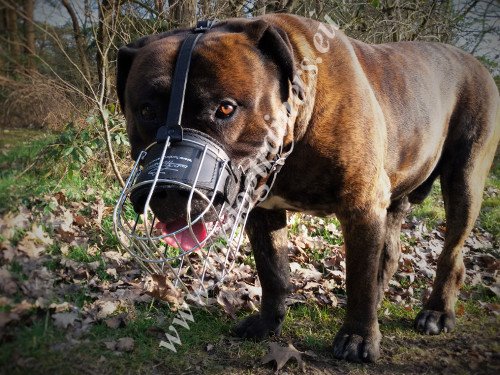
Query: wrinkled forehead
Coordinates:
[218,57]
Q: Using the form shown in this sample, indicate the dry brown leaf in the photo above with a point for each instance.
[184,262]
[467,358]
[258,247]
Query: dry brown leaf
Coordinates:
[22,307]
[493,308]
[106,308]
[6,318]
[110,345]
[495,288]
[161,287]
[125,344]
[30,248]
[7,283]
[7,251]
[228,302]
[281,355]
[60,307]
[114,322]
[10,222]
[98,211]
[67,235]
[308,274]
[64,320]
[79,220]
[35,242]
[116,258]
[112,272]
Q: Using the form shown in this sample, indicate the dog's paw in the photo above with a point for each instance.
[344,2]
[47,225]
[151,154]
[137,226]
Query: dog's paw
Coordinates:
[356,348]
[256,328]
[433,322]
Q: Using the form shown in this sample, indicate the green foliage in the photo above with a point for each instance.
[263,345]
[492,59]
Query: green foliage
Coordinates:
[36,163]
[77,145]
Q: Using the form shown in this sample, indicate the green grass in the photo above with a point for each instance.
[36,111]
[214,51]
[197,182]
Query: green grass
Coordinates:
[37,341]
[28,170]
[431,210]
[490,210]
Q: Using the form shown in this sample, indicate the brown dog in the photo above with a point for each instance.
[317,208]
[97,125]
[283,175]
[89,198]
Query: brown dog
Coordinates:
[372,127]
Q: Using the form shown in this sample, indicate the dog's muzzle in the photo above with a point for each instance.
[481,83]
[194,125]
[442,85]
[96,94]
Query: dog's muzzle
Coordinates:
[181,213]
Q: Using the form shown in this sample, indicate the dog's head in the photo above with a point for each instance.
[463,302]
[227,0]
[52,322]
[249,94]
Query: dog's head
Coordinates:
[239,82]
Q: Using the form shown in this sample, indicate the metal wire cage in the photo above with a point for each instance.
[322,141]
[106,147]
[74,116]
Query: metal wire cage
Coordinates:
[197,256]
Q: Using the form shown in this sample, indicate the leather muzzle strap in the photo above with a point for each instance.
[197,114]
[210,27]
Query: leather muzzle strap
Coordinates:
[172,127]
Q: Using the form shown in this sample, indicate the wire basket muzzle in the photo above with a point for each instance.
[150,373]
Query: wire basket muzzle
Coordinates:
[181,214]
[197,162]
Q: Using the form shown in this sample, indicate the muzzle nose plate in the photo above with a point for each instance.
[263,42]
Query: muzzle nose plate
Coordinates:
[195,162]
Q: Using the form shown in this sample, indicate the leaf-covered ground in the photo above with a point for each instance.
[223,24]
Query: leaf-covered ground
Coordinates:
[71,301]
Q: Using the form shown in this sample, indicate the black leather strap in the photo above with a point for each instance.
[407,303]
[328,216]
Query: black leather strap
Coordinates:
[172,127]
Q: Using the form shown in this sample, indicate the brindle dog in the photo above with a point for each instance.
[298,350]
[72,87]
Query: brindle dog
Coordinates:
[373,127]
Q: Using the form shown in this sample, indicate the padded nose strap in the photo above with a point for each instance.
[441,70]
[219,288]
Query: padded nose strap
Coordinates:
[172,127]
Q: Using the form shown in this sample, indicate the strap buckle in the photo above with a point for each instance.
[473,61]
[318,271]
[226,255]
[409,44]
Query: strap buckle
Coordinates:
[204,25]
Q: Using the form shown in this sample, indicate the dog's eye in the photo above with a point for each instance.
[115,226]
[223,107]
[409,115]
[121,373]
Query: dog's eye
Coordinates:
[147,112]
[225,110]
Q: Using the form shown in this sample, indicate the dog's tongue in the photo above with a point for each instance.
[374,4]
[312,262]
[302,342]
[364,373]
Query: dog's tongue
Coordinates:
[185,238]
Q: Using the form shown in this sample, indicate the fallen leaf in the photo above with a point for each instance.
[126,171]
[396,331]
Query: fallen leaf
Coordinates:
[64,320]
[4,301]
[495,289]
[226,299]
[110,345]
[281,355]
[11,223]
[60,307]
[7,251]
[79,220]
[115,322]
[491,307]
[125,344]
[7,282]
[35,242]
[106,308]
[161,287]
[6,318]
[112,272]
[22,307]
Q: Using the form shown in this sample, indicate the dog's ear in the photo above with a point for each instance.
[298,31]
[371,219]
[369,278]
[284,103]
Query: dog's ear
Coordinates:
[124,61]
[273,42]
[126,56]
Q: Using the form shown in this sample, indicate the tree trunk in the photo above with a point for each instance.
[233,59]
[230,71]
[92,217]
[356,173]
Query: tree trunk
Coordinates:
[159,4]
[29,34]
[103,42]
[183,12]
[13,36]
[80,43]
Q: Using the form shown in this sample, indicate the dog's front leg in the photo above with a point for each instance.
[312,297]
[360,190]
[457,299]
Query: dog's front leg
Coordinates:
[267,232]
[359,337]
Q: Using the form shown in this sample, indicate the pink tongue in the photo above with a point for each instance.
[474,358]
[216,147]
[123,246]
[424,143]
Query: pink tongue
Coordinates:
[185,238]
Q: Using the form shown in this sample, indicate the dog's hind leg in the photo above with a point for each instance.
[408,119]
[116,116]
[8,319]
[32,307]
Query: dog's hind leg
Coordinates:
[267,232]
[392,246]
[463,174]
